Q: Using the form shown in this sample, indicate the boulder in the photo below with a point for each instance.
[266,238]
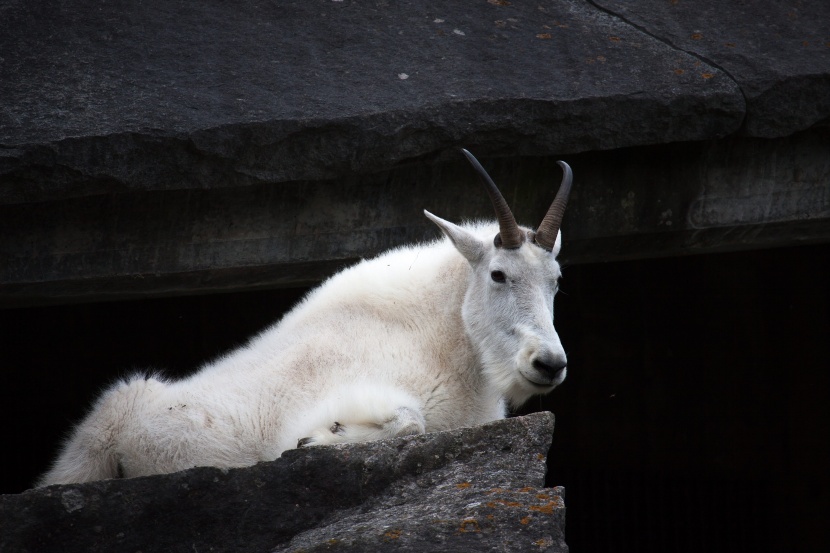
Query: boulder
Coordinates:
[472,489]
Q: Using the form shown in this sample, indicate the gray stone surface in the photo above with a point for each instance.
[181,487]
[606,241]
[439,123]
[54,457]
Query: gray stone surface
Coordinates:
[106,97]
[726,195]
[733,194]
[477,489]
[171,149]
[778,51]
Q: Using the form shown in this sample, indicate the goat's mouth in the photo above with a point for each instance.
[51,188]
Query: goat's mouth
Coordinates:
[536,384]
[543,382]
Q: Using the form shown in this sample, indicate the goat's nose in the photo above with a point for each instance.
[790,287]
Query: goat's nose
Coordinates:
[550,367]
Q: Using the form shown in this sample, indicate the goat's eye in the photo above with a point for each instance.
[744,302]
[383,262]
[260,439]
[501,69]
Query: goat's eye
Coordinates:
[498,276]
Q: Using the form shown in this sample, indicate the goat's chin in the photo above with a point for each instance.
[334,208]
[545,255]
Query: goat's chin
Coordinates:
[522,389]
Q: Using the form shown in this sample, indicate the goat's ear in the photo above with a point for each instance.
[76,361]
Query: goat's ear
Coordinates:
[557,245]
[468,244]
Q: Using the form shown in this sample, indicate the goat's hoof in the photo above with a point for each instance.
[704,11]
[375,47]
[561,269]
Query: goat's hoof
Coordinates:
[337,429]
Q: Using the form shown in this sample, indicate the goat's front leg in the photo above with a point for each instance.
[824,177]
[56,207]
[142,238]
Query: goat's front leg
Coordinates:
[403,421]
[363,415]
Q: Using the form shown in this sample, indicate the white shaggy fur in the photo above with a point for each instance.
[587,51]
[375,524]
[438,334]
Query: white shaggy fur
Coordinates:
[415,340]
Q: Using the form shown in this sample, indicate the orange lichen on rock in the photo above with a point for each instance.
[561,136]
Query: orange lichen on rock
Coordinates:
[548,508]
[469,525]
[393,534]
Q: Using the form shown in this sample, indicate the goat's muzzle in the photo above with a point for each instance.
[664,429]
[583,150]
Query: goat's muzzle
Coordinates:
[550,369]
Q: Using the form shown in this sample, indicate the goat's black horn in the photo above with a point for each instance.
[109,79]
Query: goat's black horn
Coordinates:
[549,227]
[510,235]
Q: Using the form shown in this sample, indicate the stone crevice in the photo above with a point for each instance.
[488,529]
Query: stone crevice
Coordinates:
[674,46]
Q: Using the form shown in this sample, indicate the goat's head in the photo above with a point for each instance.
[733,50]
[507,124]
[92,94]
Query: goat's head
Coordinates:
[508,306]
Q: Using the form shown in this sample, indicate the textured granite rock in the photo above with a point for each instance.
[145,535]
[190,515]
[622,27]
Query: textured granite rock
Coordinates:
[172,149]
[106,97]
[726,195]
[476,489]
[778,51]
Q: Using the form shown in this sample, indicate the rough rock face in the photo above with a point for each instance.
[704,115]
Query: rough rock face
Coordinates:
[130,96]
[168,148]
[476,489]
[777,51]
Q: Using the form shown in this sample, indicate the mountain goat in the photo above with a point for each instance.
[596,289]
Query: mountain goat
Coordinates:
[421,338]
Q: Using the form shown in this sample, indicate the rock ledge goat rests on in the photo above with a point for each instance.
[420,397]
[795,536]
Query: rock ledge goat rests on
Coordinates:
[415,340]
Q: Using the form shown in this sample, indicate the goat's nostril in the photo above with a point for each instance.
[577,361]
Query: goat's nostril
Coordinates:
[549,368]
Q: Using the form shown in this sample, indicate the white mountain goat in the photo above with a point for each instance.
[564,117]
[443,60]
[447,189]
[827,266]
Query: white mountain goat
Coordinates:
[415,340]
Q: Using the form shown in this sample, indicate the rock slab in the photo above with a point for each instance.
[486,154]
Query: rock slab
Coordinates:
[777,51]
[474,489]
[116,96]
